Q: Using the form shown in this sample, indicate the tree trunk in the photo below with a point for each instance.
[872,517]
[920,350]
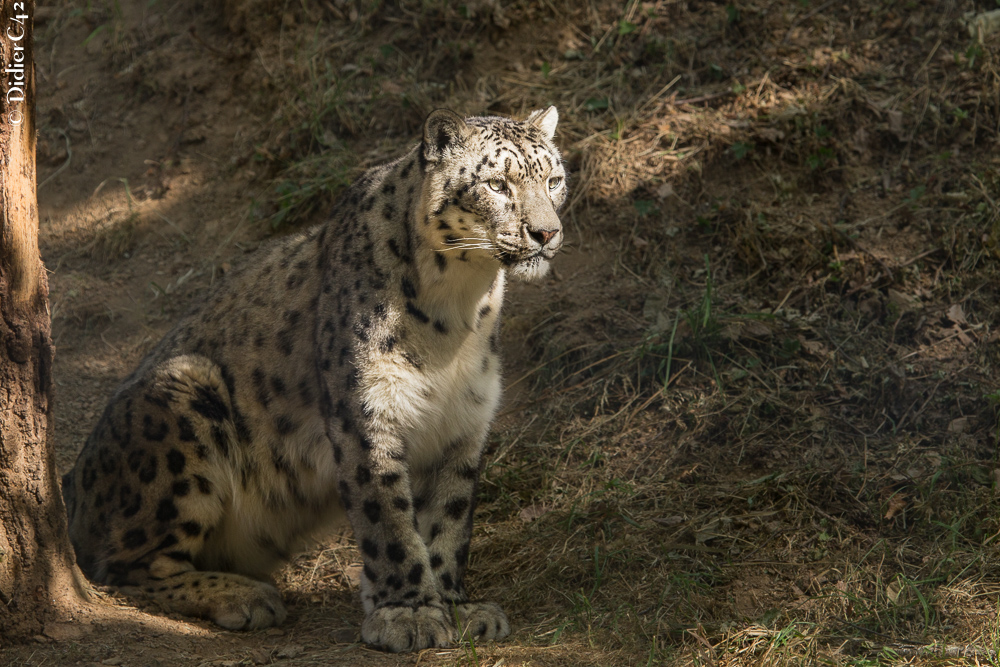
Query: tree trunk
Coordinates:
[37,571]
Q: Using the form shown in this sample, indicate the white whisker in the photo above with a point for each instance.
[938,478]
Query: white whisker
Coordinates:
[465,247]
[467,243]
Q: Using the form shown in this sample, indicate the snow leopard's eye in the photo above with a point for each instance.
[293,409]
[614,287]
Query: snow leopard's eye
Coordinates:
[555,182]
[497,185]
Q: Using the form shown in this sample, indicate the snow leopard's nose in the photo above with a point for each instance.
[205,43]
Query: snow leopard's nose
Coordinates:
[542,236]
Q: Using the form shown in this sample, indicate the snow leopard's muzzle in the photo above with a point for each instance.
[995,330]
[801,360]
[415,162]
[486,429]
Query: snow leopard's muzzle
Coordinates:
[527,249]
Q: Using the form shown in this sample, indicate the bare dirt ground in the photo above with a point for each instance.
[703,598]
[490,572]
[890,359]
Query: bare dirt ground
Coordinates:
[752,416]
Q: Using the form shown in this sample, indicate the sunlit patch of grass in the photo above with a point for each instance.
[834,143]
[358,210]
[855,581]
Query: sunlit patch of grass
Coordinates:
[114,231]
[113,236]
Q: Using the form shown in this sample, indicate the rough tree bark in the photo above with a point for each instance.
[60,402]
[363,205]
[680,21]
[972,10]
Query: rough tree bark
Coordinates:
[37,571]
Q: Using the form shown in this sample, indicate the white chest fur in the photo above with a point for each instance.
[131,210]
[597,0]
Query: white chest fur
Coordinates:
[452,391]
[457,402]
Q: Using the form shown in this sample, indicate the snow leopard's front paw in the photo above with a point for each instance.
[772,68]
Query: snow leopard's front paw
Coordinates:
[482,620]
[402,628]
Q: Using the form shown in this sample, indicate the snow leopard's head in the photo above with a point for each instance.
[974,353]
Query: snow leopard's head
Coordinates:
[493,188]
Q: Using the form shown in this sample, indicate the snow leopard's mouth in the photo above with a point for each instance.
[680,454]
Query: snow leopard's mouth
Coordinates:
[532,267]
[512,257]
[526,254]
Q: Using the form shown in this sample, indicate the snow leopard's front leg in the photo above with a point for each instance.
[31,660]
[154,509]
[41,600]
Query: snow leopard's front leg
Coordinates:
[403,608]
[445,500]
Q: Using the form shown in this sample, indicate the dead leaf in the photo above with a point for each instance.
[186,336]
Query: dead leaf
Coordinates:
[814,347]
[664,191]
[897,504]
[896,591]
[861,140]
[895,122]
[746,329]
[771,134]
[903,302]
[707,533]
[532,512]
[392,88]
[353,574]
[956,314]
[958,425]
[757,328]
[260,656]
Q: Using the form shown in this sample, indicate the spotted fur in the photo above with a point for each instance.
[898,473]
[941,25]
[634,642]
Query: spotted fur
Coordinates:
[351,371]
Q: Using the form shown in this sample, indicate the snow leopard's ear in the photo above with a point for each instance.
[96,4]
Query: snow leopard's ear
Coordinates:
[545,120]
[443,129]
